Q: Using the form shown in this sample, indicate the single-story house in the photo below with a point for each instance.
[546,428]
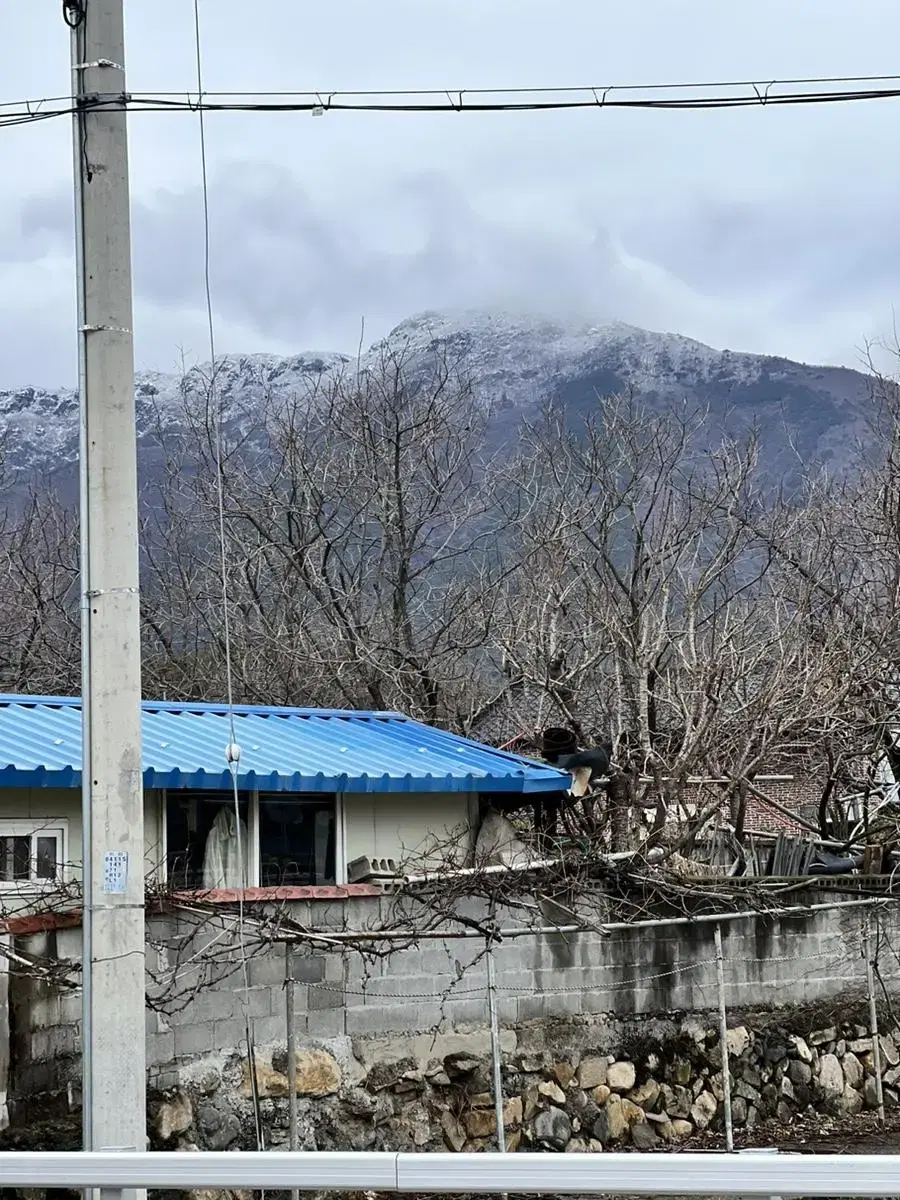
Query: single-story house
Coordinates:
[317,789]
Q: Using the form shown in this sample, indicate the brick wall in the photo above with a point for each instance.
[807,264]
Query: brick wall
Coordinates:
[799,793]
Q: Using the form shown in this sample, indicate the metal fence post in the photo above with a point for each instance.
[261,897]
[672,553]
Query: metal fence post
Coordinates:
[723,1038]
[873,1016]
[291,1040]
[495,1045]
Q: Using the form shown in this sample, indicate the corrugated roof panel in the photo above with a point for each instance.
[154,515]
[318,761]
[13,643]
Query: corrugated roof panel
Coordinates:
[282,749]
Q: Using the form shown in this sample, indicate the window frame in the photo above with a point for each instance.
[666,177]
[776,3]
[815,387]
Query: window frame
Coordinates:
[33,828]
[253,857]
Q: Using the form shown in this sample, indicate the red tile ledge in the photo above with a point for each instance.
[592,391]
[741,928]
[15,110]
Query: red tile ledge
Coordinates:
[269,894]
[32,923]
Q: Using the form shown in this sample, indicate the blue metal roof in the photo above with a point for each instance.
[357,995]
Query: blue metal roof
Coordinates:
[282,749]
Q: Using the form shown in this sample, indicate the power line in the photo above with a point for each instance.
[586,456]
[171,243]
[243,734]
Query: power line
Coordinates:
[216,404]
[698,97]
[469,102]
[798,81]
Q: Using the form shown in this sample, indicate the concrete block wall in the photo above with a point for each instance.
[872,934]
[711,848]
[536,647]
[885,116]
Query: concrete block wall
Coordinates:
[442,985]
[43,1045]
[632,973]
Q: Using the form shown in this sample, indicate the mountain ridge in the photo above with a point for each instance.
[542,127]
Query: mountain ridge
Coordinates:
[518,362]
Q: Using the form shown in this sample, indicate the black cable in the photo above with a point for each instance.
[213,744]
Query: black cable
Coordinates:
[11,122]
[155,102]
[216,404]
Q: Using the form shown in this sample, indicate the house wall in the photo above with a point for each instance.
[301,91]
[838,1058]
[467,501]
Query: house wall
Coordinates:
[51,805]
[402,826]
[799,794]
[46,805]
[408,827]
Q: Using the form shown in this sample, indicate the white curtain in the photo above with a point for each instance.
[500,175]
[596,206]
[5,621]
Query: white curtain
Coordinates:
[225,857]
[497,842]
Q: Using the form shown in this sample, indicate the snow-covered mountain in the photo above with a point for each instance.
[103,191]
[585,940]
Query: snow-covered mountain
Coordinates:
[518,362]
[41,426]
[811,410]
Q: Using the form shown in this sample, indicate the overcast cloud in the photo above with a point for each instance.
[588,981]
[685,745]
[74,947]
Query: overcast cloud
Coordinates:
[768,230]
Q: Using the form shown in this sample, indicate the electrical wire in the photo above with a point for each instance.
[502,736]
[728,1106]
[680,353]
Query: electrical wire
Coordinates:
[526,100]
[700,97]
[547,89]
[216,407]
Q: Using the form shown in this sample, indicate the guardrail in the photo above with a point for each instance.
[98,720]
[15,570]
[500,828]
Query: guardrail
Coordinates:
[713,1174]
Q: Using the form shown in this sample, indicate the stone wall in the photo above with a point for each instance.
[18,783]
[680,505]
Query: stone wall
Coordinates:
[573,1086]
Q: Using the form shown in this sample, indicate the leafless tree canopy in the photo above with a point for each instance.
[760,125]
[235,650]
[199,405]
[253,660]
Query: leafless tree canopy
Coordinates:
[361,546]
[617,574]
[39,607]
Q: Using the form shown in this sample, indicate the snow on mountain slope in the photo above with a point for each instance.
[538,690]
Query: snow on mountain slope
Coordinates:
[502,350]
[42,426]
[522,361]
[517,361]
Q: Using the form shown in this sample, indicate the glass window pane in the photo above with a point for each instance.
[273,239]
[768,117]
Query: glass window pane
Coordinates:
[46,857]
[296,840]
[15,858]
[202,840]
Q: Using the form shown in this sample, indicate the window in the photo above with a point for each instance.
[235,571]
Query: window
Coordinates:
[202,840]
[31,853]
[284,839]
[297,839]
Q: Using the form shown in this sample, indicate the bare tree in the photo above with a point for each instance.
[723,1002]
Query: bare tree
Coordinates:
[647,607]
[837,541]
[361,550]
[40,621]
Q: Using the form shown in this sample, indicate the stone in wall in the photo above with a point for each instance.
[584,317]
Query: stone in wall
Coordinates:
[578,1086]
[571,1087]
[317,1073]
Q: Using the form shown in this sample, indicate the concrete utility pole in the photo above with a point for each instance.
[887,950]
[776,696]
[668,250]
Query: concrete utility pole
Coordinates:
[113,1032]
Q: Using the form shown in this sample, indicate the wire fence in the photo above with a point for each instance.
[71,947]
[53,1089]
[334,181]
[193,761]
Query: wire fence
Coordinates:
[861,965]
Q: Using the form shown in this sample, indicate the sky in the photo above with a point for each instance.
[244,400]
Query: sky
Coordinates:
[770,230]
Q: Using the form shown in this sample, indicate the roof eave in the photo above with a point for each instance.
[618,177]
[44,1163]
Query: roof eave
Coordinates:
[538,783]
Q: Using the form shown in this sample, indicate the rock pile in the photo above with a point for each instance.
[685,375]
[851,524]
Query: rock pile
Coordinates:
[653,1091]
[674,1090]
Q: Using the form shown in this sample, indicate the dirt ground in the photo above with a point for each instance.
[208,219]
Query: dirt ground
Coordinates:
[816,1134]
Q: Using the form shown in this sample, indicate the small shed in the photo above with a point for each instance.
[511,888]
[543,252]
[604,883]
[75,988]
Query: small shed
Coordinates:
[313,790]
